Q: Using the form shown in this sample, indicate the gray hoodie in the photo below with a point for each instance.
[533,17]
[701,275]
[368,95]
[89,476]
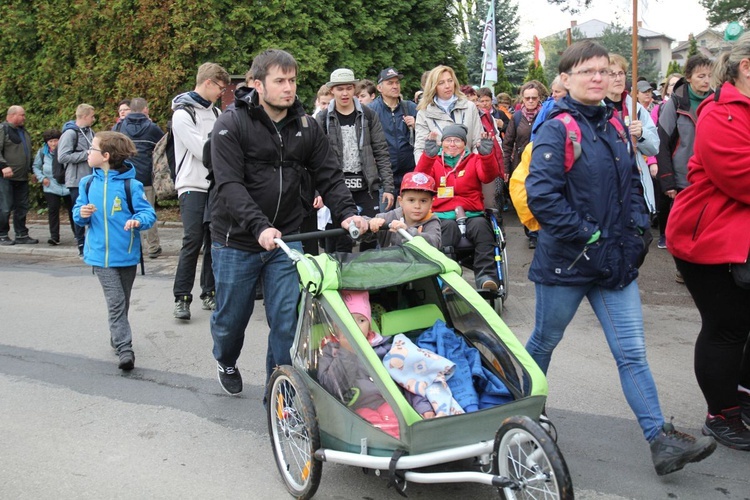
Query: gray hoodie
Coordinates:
[73,152]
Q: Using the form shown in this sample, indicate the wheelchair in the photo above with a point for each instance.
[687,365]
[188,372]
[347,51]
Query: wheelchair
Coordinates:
[463,253]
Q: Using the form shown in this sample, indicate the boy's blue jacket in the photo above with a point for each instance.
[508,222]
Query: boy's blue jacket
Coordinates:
[108,244]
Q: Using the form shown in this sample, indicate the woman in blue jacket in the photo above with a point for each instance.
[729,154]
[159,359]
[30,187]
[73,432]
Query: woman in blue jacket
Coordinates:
[112,206]
[54,193]
[593,221]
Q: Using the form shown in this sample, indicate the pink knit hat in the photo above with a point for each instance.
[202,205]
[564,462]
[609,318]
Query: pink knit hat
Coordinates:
[357,301]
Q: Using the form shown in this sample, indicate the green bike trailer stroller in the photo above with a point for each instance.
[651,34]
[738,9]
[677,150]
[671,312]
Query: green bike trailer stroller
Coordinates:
[411,288]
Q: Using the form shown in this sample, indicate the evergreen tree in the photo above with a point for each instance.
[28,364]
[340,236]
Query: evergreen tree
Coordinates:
[727,11]
[536,72]
[502,85]
[693,46]
[508,43]
[56,54]
[674,67]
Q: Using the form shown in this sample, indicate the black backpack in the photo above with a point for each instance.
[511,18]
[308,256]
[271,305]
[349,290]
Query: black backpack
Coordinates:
[58,169]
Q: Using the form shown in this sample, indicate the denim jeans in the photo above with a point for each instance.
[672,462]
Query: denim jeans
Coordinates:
[195,234]
[117,283]
[14,196]
[619,312]
[237,274]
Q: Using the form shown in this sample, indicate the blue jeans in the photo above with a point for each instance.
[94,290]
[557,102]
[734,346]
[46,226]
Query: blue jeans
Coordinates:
[236,273]
[619,312]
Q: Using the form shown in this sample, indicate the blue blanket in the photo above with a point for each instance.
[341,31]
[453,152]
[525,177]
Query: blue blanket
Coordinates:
[472,385]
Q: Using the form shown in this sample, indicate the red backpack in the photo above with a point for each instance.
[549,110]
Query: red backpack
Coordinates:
[517,184]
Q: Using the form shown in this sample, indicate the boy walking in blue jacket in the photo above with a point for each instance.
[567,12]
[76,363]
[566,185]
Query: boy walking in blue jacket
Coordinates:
[112,205]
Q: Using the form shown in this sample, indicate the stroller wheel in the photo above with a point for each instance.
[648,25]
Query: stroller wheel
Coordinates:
[294,432]
[528,456]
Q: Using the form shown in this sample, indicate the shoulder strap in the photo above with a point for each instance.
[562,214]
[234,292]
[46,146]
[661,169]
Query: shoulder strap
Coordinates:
[572,139]
[619,127]
[128,194]
[189,110]
[517,118]
[216,111]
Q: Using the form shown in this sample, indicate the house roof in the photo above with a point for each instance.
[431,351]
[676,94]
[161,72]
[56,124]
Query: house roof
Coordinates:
[686,44]
[594,28]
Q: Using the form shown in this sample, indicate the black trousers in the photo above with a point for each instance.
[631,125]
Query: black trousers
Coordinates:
[479,232]
[54,203]
[722,349]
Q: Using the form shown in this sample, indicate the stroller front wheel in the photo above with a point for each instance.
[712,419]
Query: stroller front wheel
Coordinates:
[293,427]
[529,457]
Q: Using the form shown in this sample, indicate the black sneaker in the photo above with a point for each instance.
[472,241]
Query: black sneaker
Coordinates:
[671,450]
[182,308]
[727,428]
[532,243]
[6,241]
[229,379]
[54,242]
[209,302]
[744,406]
[26,240]
[155,253]
[127,361]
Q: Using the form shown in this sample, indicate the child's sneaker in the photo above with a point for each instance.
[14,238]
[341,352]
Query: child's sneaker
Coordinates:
[727,428]
[671,450]
[127,361]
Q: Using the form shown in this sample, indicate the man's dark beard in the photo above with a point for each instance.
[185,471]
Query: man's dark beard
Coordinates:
[276,108]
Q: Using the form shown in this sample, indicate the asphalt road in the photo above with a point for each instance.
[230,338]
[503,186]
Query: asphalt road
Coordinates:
[73,426]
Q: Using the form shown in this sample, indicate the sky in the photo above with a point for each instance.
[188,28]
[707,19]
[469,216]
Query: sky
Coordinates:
[675,18]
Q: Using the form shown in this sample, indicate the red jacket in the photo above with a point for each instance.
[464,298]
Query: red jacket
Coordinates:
[466,179]
[710,220]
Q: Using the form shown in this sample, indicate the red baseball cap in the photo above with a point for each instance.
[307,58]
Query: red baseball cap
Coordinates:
[417,181]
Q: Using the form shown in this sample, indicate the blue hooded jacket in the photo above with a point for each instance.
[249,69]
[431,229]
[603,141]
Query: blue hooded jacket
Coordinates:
[601,192]
[108,244]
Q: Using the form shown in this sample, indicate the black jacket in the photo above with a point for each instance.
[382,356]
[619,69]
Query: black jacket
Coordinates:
[268,185]
[145,134]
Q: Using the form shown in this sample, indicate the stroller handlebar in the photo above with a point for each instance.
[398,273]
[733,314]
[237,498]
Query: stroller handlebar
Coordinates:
[353,232]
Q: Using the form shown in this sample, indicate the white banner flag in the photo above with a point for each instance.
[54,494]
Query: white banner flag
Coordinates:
[489,48]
